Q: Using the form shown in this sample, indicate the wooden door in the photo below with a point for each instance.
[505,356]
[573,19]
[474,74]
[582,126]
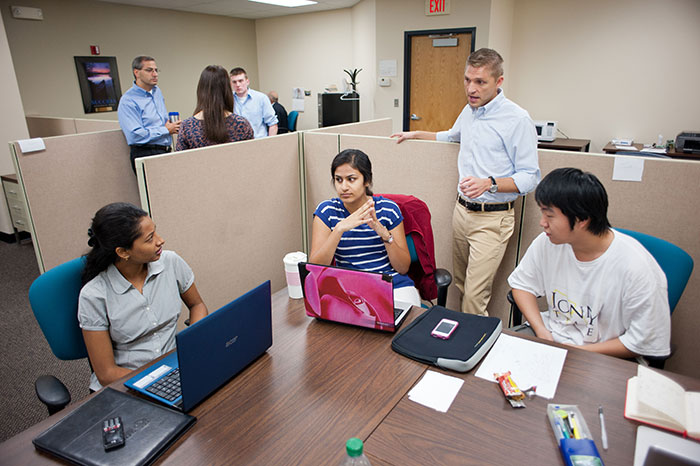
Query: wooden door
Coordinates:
[434,94]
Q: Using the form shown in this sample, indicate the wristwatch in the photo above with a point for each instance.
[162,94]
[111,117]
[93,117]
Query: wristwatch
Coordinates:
[390,240]
[494,186]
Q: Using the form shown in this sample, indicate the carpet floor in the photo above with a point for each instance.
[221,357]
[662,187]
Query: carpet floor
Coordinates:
[24,353]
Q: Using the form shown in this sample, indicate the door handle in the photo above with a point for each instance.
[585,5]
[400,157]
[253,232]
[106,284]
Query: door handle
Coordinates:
[415,117]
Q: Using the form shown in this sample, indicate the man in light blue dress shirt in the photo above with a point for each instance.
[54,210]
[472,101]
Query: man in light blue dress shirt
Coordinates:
[252,105]
[142,113]
[497,163]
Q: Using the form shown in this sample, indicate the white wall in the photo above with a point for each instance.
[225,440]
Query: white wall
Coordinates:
[604,69]
[182,43]
[12,123]
[308,51]
[364,53]
[501,33]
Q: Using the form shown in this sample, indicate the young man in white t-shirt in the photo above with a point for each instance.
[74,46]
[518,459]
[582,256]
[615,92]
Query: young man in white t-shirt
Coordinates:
[604,291]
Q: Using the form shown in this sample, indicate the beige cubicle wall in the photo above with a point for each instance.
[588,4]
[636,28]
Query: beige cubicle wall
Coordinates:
[83,125]
[232,211]
[663,204]
[380,127]
[66,183]
[44,127]
[317,149]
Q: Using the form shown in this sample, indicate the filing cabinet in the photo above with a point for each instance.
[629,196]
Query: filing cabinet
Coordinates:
[16,204]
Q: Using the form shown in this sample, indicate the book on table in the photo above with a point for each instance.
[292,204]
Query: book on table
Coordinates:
[654,399]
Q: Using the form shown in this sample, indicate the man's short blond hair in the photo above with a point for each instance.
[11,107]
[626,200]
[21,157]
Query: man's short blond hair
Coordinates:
[487,57]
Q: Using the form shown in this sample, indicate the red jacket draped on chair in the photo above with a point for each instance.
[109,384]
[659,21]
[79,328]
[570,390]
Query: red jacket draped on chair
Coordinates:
[416,222]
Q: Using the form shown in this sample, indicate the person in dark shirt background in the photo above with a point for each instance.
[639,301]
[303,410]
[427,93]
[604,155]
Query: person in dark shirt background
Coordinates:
[280,111]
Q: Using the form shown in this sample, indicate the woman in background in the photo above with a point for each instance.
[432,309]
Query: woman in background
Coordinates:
[132,295]
[214,121]
[359,230]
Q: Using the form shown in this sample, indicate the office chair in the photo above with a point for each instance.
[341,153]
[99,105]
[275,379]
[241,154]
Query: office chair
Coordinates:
[292,120]
[676,264]
[53,297]
[430,281]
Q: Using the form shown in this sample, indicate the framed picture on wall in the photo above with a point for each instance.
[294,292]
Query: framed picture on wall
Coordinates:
[98,78]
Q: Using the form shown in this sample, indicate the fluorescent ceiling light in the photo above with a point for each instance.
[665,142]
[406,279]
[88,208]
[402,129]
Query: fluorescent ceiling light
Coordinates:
[287,3]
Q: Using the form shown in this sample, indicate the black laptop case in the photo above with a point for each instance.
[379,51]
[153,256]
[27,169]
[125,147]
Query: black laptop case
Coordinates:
[149,430]
[470,341]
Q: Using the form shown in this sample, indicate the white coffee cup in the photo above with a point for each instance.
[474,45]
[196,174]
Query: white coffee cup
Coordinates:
[291,271]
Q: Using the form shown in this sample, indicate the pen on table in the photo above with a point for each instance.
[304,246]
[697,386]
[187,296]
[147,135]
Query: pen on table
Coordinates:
[560,430]
[603,432]
[566,427]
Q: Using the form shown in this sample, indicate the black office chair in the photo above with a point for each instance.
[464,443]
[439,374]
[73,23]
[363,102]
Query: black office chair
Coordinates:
[53,297]
[676,264]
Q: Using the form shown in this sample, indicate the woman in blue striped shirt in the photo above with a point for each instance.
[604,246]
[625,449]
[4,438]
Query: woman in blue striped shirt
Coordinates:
[360,230]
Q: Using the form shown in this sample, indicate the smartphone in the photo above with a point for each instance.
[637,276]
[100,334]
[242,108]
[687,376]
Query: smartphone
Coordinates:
[444,329]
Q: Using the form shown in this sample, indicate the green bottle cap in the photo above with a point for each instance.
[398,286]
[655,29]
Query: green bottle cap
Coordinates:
[354,447]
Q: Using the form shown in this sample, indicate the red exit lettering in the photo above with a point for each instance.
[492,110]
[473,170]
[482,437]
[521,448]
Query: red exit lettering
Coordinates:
[437,6]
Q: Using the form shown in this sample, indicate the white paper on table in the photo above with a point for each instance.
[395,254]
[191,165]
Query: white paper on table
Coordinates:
[654,150]
[436,390]
[530,364]
[31,145]
[628,168]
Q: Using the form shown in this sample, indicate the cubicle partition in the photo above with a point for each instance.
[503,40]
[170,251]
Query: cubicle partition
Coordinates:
[66,183]
[380,127]
[663,204]
[319,150]
[83,125]
[44,127]
[232,211]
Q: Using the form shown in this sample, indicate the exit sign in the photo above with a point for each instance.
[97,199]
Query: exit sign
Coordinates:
[437,7]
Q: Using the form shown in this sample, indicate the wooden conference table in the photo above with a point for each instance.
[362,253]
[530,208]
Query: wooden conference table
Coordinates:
[322,383]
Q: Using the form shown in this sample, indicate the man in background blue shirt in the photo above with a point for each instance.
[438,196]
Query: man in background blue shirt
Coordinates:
[497,163]
[142,114]
[252,105]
